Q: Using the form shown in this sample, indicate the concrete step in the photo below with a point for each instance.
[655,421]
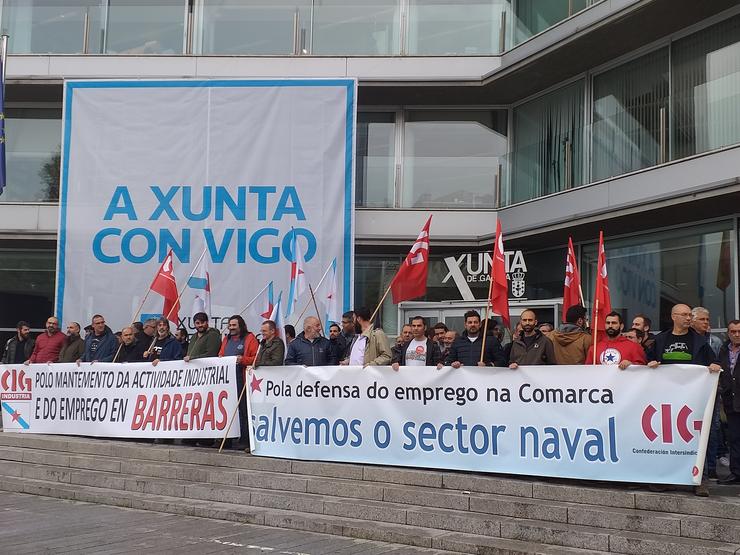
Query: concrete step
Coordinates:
[365,477]
[482,514]
[340,526]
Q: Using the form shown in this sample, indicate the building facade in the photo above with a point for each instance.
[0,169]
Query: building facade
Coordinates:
[558,117]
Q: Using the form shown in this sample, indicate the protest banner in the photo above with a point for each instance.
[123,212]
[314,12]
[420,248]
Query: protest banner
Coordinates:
[235,168]
[590,422]
[174,399]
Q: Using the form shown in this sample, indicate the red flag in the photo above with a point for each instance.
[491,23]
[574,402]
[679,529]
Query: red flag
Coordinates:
[602,299]
[499,286]
[411,280]
[572,287]
[164,284]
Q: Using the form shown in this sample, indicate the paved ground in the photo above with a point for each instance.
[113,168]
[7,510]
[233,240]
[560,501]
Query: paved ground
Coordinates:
[33,524]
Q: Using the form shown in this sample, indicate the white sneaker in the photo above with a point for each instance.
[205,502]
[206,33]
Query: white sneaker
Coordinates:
[724,461]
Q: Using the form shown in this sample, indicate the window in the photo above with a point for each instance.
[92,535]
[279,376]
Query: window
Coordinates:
[451,158]
[630,106]
[548,144]
[375,160]
[26,286]
[706,89]
[355,27]
[32,154]
[146,27]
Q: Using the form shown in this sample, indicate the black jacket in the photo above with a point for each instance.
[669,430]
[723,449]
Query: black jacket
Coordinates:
[318,352]
[434,355]
[729,385]
[701,353]
[10,348]
[131,353]
[468,352]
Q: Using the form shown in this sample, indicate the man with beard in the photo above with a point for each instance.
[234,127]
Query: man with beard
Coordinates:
[19,347]
[165,346]
[401,340]
[73,346]
[530,347]
[615,348]
[131,349]
[419,351]
[48,344]
[466,349]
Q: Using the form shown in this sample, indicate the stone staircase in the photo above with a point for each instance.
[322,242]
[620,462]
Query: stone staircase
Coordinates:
[454,511]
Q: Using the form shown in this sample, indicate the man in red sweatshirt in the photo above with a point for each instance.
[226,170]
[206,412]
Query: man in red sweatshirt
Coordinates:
[615,348]
[48,344]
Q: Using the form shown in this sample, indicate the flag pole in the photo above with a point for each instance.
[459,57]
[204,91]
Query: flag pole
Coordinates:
[485,325]
[318,314]
[596,327]
[250,303]
[177,301]
[377,308]
[308,304]
[241,395]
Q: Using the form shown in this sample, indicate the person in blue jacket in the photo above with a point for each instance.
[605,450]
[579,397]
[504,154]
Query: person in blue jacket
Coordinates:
[165,346]
[100,344]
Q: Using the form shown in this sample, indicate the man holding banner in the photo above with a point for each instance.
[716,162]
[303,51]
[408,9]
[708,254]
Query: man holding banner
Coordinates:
[466,349]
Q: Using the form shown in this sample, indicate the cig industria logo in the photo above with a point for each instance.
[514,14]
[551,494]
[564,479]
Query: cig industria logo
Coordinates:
[475,268]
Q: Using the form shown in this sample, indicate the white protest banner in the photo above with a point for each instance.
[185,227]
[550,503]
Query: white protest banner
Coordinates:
[235,168]
[174,399]
[590,422]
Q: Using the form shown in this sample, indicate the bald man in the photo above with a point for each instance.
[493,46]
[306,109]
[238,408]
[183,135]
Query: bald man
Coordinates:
[682,344]
[310,348]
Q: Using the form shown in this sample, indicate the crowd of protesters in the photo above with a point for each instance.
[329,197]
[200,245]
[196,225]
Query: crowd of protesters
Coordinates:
[356,341]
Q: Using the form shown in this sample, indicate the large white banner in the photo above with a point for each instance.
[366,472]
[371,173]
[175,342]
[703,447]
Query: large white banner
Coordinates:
[174,399]
[234,169]
[591,422]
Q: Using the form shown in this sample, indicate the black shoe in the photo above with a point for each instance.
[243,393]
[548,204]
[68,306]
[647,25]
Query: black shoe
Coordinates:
[730,480]
[712,474]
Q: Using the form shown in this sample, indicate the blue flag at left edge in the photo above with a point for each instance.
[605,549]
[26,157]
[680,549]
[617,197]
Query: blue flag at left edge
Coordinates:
[2,130]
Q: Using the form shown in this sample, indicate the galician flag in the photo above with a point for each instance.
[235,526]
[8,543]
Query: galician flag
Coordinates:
[297,276]
[263,306]
[201,283]
[329,298]
[277,317]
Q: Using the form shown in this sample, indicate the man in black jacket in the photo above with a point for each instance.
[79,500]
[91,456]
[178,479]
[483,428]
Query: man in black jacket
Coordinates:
[729,387]
[682,345]
[466,349]
[131,349]
[419,350]
[310,348]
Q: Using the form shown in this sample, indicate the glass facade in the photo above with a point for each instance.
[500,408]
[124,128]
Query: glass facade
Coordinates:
[26,286]
[300,27]
[32,154]
[652,272]
[375,159]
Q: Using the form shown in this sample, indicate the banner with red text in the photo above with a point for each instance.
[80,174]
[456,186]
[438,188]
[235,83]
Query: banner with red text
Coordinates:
[174,399]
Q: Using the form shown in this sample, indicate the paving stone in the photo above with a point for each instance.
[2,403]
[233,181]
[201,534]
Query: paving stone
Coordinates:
[578,493]
[500,546]
[11,468]
[427,497]
[366,510]
[35,456]
[309,523]
[380,531]
[519,507]
[145,452]
[485,484]
[402,476]
[97,479]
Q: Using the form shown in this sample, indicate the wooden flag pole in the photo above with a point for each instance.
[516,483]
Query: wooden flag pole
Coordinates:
[241,396]
[308,304]
[580,292]
[318,314]
[136,314]
[485,325]
[377,308]
[596,328]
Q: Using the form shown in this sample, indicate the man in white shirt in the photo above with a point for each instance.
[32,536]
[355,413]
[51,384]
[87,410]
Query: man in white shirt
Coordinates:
[419,351]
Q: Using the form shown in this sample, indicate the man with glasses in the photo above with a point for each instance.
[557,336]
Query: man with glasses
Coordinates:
[101,344]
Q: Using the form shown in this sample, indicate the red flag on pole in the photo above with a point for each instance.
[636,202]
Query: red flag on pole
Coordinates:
[411,280]
[602,299]
[572,286]
[164,284]
[499,286]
